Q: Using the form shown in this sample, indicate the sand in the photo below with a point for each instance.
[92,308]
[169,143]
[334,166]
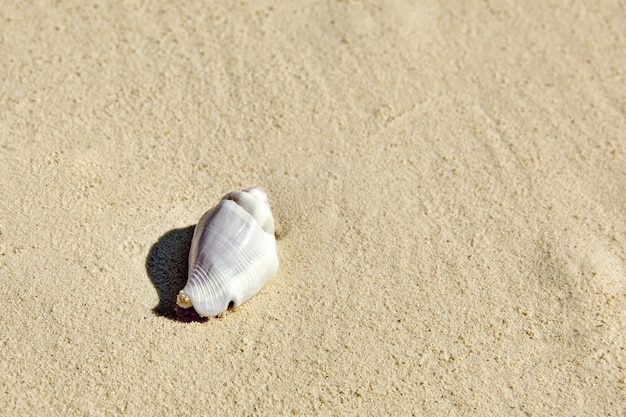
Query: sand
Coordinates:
[449,179]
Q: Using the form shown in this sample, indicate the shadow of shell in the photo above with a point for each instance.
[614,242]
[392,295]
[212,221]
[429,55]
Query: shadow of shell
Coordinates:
[166,266]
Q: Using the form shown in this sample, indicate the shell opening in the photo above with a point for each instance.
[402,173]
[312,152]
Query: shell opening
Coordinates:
[231,305]
[183,301]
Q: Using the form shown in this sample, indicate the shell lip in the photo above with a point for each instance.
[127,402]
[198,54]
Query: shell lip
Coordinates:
[186,312]
[184,301]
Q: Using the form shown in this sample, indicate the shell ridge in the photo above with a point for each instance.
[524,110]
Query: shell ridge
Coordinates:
[263,267]
[243,271]
[205,289]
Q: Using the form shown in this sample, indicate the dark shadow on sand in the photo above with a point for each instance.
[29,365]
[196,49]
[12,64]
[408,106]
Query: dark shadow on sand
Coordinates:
[167,268]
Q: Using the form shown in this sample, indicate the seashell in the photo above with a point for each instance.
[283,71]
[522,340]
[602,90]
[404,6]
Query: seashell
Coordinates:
[232,256]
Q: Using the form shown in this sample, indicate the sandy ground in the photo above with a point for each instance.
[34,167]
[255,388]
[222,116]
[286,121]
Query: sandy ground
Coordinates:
[449,179]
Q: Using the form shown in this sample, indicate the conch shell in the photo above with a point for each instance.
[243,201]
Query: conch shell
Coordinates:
[232,256]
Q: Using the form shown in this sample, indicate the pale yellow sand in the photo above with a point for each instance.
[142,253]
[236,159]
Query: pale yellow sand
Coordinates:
[449,177]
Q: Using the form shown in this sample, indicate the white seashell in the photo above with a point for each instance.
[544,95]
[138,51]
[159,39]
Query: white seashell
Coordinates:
[233,254]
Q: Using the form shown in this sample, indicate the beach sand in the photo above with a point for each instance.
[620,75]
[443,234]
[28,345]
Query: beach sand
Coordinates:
[449,180]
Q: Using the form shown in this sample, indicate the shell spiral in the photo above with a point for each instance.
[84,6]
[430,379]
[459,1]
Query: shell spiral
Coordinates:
[233,254]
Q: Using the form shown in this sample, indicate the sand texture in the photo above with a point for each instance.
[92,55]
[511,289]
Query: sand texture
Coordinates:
[449,179]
